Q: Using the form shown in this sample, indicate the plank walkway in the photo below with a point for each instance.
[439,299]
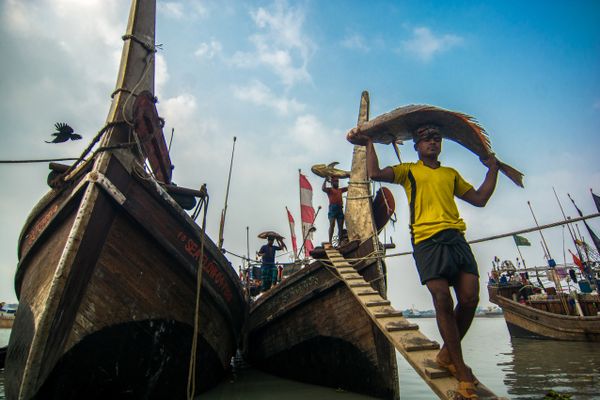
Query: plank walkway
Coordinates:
[415,347]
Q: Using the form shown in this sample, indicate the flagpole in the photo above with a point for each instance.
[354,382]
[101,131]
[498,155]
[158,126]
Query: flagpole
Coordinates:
[564,216]
[546,249]
[308,230]
[301,220]
[292,233]
[222,224]
[520,255]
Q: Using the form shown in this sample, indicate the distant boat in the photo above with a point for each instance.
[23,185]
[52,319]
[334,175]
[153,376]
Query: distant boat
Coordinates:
[531,312]
[6,320]
[7,315]
[490,312]
[414,313]
[107,279]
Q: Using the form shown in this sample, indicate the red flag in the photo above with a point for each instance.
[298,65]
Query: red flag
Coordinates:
[292,231]
[307,213]
[577,261]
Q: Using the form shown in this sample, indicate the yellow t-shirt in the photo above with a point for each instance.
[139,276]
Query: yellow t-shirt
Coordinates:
[430,194]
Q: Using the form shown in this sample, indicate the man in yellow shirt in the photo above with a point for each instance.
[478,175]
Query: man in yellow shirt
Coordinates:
[441,253]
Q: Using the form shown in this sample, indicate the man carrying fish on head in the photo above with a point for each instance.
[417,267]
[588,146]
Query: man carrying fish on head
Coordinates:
[336,205]
[442,255]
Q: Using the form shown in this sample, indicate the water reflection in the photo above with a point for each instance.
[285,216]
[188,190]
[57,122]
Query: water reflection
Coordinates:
[534,367]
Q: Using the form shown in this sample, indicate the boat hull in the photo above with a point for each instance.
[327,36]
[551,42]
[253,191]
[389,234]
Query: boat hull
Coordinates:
[528,322]
[107,289]
[310,328]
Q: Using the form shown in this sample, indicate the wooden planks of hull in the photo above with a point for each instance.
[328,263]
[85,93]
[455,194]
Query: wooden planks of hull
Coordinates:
[525,321]
[310,328]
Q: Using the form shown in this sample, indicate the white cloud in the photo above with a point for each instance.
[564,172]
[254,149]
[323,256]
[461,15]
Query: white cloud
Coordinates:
[260,94]
[310,135]
[209,50]
[171,8]
[181,108]
[180,10]
[280,44]
[355,41]
[425,45]
[161,74]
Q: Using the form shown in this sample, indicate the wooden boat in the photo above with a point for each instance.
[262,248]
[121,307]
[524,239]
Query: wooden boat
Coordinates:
[311,328]
[549,317]
[108,266]
[543,312]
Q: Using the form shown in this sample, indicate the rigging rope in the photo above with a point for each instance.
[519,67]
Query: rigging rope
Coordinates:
[36,161]
[191,385]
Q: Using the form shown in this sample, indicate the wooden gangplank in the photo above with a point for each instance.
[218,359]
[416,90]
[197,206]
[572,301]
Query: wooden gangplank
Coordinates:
[414,346]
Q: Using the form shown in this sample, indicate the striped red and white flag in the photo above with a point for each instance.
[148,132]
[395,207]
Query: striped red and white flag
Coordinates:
[292,232]
[307,213]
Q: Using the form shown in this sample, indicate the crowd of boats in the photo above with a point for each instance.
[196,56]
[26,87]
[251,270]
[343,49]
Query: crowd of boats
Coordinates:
[122,292]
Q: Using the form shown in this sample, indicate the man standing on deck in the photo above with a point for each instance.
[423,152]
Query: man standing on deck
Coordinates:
[336,206]
[268,269]
[441,253]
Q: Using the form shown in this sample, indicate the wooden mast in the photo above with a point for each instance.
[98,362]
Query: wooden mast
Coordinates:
[359,204]
[136,74]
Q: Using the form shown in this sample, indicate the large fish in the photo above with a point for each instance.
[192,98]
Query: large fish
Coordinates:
[400,124]
[329,171]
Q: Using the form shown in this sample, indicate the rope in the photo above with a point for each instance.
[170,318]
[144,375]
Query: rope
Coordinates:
[359,182]
[35,161]
[95,140]
[359,197]
[191,386]
[150,48]
[118,90]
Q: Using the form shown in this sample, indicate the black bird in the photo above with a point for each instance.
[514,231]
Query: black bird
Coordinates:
[65,132]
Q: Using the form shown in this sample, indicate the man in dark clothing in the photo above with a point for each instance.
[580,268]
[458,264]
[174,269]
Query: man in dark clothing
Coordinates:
[336,206]
[268,269]
[441,253]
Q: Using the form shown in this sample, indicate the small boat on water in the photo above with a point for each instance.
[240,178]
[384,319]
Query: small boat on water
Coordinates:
[121,293]
[6,321]
[544,311]
[7,315]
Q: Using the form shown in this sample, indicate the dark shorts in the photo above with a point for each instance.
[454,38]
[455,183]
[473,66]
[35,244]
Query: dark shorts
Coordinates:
[443,256]
[335,211]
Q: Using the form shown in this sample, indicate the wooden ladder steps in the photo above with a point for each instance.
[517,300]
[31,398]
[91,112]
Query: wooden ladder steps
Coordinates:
[416,348]
[395,326]
[360,285]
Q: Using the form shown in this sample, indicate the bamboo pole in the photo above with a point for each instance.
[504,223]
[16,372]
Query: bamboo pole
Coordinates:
[521,231]
[224,212]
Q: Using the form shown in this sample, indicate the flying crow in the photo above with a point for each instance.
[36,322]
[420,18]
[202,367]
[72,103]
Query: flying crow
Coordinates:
[64,133]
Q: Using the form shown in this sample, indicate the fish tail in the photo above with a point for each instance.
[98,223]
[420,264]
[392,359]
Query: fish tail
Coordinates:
[512,174]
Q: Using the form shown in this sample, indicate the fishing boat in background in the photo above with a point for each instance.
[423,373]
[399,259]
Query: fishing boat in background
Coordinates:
[533,312]
[557,301]
[121,293]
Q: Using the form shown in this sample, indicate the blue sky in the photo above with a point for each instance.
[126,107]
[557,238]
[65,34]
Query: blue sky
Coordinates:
[285,78]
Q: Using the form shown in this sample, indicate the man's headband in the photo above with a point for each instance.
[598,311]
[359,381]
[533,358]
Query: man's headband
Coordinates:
[425,132]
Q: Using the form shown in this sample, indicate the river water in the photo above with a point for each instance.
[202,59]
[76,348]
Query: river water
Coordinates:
[514,368]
